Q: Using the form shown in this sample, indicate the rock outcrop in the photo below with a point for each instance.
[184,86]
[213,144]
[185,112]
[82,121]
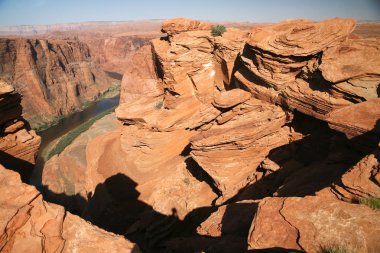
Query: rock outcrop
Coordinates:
[30,224]
[313,224]
[18,144]
[55,77]
[27,222]
[307,66]
[249,124]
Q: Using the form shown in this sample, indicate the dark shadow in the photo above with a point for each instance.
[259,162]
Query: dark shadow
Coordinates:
[72,203]
[114,75]
[201,175]
[22,167]
[275,250]
[237,220]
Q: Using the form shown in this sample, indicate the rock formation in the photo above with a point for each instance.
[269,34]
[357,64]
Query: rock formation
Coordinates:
[27,222]
[110,50]
[259,140]
[55,77]
[18,144]
[30,224]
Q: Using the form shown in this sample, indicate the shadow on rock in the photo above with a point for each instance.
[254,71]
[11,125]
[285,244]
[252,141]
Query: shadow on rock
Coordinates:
[22,167]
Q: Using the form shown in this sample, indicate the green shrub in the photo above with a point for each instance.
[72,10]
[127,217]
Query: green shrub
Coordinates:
[159,105]
[372,202]
[218,30]
[335,249]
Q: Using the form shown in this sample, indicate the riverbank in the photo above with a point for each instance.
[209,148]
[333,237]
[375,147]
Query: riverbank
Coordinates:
[112,91]
[56,138]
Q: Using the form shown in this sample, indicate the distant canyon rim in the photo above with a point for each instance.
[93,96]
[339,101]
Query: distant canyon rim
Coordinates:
[263,139]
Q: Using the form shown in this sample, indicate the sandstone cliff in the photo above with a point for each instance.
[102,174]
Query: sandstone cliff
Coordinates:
[55,77]
[18,144]
[27,222]
[261,140]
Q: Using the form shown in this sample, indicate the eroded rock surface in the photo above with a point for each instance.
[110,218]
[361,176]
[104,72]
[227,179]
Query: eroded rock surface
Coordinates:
[312,224]
[249,124]
[55,77]
[18,144]
[30,224]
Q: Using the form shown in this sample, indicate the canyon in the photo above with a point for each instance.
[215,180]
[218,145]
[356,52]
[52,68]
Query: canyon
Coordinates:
[264,139]
[61,69]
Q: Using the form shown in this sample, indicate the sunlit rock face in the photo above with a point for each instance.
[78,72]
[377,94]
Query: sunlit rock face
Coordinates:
[30,224]
[238,136]
[55,77]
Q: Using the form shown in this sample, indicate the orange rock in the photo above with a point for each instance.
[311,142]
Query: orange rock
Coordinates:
[302,37]
[231,98]
[140,79]
[231,151]
[17,144]
[59,75]
[361,181]
[178,25]
[313,223]
[29,224]
[307,66]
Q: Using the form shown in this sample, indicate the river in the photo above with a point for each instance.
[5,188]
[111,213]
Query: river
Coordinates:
[66,125]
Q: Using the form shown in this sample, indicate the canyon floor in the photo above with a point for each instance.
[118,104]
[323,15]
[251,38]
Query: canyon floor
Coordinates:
[263,139]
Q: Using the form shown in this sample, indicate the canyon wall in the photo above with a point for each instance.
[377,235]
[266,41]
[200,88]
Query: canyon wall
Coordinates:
[18,144]
[55,77]
[27,222]
[254,140]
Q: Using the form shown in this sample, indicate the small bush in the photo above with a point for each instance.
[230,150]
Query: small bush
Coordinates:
[186,180]
[372,202]
[159,105]
[218,30]
[335,249]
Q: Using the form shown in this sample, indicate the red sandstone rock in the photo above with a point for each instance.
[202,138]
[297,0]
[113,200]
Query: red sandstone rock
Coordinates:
[313,223]
[302,37]
[361,181]
[231,98]
[358,119]
[15,140]
[178,25]
[55,77]
[29,224]
[281,64]
[140,78]
[230,151]
[241,143]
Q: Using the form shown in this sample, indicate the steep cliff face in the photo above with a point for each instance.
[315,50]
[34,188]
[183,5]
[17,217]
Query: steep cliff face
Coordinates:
[113,52]
[18,144]
[55,77]
[252,139]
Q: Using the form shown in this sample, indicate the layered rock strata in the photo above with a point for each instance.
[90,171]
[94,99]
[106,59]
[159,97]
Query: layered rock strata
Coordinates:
[18,144]
[242,124]
[55,77]
[30,224]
